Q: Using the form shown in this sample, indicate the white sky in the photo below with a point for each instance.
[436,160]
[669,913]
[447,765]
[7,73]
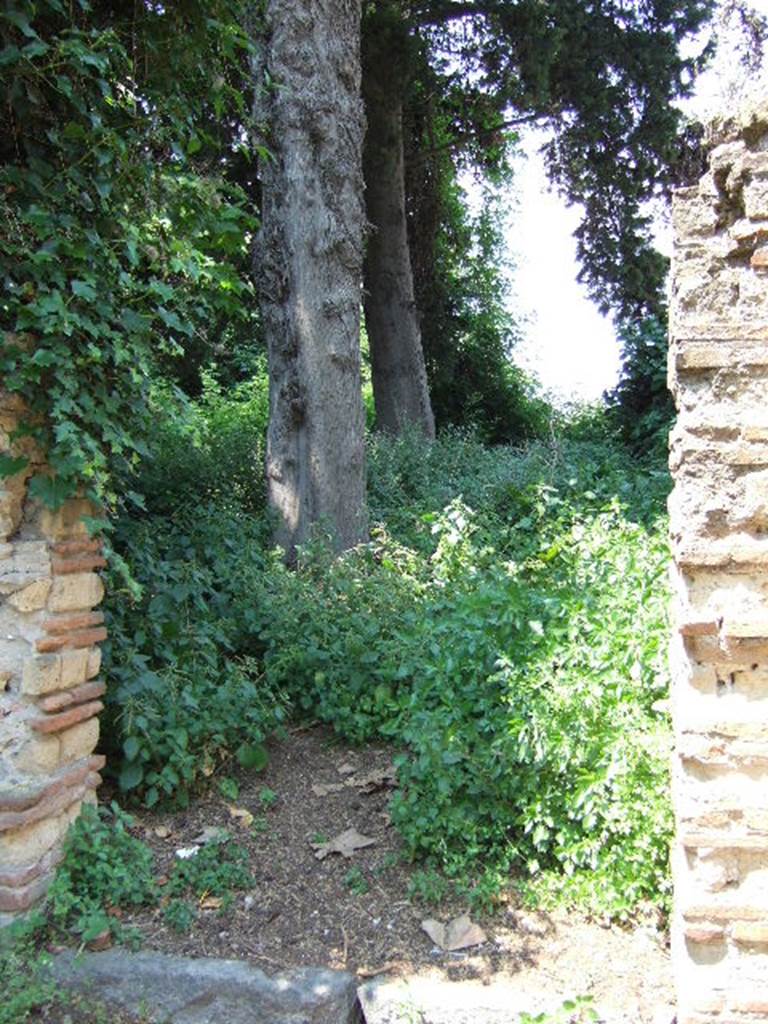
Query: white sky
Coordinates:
[567,343]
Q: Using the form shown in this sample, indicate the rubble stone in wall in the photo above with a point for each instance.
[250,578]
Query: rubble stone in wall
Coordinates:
[718,370]
[50,693]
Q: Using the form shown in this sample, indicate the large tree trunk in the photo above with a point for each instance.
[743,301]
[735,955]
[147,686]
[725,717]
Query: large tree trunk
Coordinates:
[309,264]
[397,360]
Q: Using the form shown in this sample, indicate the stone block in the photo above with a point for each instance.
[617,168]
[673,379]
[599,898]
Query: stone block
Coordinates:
[756,200]
[39,755]
[94,662]
[74,593]
[74,667]
[85,563]
[32,842]
[62,624]
[79,741]
[41,674]
[692,216]
[67,523]
[208,991]
[31,598]
[14,900]
[750,933]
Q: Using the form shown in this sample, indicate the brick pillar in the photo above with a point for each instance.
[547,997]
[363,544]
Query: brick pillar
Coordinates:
[719,514]
[49,661]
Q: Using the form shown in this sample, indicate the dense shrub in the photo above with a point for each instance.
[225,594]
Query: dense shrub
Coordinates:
[505,627]
[519,656]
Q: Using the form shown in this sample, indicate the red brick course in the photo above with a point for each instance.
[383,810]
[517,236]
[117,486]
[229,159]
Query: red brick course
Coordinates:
[64,698]
[55,723]
[84,638]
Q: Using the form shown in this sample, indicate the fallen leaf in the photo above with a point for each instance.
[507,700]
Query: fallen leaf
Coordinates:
[101,941]
[373,780]
[162,880]
[210,834]
[211,902]
[162,831]
[345,843]
[346,768]
[460,933]
[324,788]
[241,814]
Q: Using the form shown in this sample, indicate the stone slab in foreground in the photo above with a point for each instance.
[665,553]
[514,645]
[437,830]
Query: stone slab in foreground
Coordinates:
[180,990]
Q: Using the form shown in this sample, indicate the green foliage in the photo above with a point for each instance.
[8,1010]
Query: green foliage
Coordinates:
[218,869]
[188,693]
[640,405]
[179,915]
[356,882]
[24,987]
[460,277]
[117,250]
[579,1010]
[511,642]
[210,450]
[517,650]
[105,867]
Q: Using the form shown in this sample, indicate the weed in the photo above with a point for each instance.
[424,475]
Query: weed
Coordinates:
[579,1010]
[429,886]
[179,915]
[104,868]
[356,882]
[217,869]
[229,788]
[267,797]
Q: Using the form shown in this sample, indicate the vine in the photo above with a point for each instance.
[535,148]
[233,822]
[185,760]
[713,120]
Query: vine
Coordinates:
[122,240]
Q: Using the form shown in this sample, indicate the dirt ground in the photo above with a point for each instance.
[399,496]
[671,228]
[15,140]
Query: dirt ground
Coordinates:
[356,914]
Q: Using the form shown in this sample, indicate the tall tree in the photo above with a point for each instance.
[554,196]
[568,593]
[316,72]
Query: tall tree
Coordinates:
[601,74]
[310,254]
[397,359]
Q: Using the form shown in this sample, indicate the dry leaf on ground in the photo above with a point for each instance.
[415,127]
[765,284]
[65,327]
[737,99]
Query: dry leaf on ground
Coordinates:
[241,814]
[372,781]
[460,933]
[210,834]
[345,843]
[162,831]
[211,903]
[324,788]
[346,768]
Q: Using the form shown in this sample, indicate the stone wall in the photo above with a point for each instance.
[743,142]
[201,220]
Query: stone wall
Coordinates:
[49,664]
[719,510]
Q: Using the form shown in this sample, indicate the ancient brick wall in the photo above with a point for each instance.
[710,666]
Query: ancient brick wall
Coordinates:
[719,512]
[49,664]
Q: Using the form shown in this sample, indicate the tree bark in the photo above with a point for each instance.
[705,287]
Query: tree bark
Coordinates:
[309,255]
[398,372]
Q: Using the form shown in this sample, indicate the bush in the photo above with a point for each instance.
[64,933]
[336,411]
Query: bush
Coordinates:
[104,868]
[188,693]
[210,450]
[505,627]
[517,651]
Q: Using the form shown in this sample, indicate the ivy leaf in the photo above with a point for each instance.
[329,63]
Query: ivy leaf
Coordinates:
[83,290]
[9,466]
[53,491]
